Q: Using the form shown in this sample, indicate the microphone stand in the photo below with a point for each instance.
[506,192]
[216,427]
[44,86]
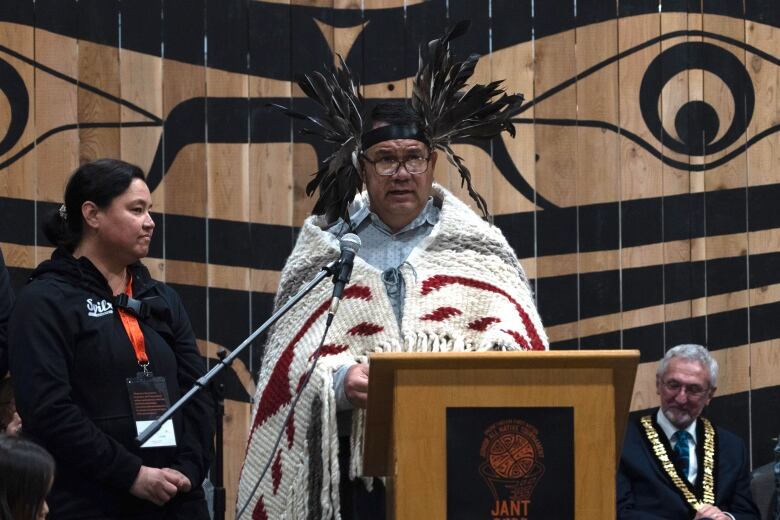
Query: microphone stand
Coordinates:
[217,479]
[328,270]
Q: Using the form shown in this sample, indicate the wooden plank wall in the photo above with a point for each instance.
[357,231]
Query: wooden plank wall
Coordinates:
[640,194]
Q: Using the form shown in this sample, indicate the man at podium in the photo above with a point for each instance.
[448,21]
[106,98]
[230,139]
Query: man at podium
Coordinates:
[677,464]
[431,276]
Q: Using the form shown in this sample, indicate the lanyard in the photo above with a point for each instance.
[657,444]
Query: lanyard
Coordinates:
[133,330]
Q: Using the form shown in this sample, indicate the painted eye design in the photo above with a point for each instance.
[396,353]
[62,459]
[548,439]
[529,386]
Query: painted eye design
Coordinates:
[697,127]
[694,134]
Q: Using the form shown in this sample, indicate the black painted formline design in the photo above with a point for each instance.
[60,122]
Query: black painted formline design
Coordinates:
[12,85]
[17,94]
[608,292]
[697,122]
[634,137]
[64,128]
[649,43]
[187,121]
[184,125]
[644,222]
[717,330]
[650,148]
[424,20]
[598,293]
[85,86]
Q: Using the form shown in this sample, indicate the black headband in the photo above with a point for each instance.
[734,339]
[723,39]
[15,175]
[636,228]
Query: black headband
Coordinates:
[390,132]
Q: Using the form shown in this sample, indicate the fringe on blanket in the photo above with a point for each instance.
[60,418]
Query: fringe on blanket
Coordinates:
[413,342]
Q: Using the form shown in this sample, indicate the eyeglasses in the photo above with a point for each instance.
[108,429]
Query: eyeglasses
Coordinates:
[389,166]
[692,391]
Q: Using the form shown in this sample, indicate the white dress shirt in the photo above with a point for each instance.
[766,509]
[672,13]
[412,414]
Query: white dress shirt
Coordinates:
[669,430]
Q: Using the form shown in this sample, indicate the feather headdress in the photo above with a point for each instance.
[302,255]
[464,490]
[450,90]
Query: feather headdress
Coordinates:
[447,111]
[342,124]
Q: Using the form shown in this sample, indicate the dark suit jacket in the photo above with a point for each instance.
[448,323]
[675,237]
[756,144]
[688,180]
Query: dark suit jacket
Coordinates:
[645,492]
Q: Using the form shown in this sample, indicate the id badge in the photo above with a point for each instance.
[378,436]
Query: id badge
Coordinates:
[149,400]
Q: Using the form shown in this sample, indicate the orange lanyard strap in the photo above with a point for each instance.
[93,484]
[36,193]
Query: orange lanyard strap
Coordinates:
[133,330]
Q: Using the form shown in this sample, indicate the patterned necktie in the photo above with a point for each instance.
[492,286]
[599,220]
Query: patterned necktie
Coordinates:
[681,449]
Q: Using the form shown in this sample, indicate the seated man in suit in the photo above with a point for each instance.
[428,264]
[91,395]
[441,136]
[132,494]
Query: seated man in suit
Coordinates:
[676,464]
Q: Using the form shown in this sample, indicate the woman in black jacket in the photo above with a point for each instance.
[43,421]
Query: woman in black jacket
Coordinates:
[74,344]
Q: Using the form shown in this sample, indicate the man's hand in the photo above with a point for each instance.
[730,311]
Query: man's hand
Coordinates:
[178,479]
[356,385]
[711,512]
[152,484]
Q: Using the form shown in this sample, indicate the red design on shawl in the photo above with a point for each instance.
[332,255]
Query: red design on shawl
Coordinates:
[438,281]
[482,324]
[519,339]
[259,512]
[331,350]
[277,391]
[276,471]
[441,314]
[365,329]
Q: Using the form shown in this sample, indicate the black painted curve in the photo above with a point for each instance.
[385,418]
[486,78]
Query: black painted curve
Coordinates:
[229,118]
[13,87]
[421,22]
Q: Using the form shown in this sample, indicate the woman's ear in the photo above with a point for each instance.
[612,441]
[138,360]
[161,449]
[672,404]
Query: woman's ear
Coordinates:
[89,212]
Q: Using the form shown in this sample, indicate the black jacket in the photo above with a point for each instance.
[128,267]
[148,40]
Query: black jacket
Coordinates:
[645,492]
[70,357]
[6,304]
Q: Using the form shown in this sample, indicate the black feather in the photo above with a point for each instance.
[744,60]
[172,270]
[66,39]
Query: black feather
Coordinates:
[341,124]
[449,111]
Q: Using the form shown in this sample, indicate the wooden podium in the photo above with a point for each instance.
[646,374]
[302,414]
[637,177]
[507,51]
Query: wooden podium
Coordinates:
[409,397]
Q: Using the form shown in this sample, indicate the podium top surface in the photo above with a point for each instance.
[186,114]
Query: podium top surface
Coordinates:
[493,359]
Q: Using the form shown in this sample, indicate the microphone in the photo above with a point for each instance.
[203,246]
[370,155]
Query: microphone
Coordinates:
[350,244]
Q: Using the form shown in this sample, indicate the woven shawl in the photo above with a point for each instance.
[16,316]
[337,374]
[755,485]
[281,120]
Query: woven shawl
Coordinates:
[465,291]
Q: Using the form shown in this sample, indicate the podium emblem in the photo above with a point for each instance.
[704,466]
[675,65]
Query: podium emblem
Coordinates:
[510,463]
[513,465]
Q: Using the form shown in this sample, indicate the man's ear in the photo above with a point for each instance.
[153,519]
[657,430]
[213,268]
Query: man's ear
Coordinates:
[89,211]
[432,161]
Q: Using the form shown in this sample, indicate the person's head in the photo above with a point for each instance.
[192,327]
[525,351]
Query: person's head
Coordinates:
[26,475]
[392,148]
[686,380]
[107,205]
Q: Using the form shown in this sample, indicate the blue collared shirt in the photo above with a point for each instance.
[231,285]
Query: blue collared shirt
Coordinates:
[386,251]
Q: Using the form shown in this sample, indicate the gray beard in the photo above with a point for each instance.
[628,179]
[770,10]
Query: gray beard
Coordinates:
[674,420]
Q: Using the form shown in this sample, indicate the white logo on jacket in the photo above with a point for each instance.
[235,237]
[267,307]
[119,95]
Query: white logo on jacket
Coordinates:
[99,309]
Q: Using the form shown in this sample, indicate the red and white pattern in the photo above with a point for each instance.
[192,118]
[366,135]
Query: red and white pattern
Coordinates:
[457,299]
